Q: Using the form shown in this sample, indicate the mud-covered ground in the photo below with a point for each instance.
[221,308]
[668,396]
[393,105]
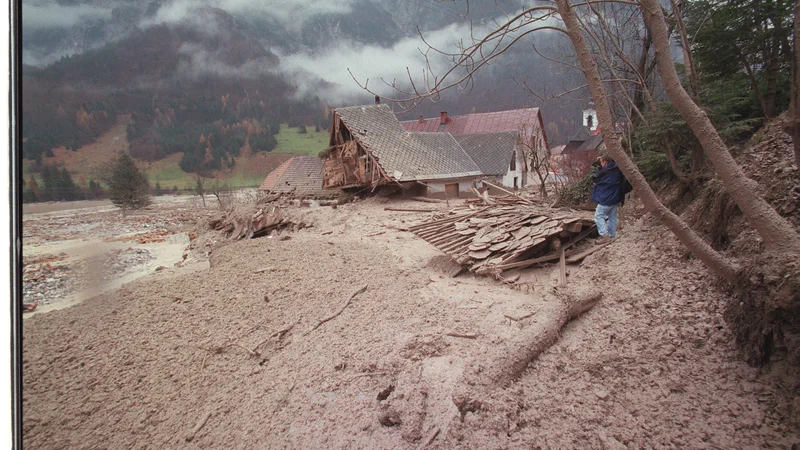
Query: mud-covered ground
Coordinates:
[229,356]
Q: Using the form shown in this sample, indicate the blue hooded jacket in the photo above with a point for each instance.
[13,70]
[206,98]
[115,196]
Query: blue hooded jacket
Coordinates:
[608,185]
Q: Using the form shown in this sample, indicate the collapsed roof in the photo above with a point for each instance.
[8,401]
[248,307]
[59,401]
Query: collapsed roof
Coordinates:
[299,176]
[403,155]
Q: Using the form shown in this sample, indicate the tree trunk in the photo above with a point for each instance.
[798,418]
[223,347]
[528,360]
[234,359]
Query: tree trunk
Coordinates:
[754,84]
[503,369]
[688,62]
[673,161]
[772,79]
[715,261]
[638,95]
[778,235]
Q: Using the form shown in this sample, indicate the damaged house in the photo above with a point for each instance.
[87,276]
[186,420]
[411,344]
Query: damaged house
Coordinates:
[510,136]
[369,147]
[499,157]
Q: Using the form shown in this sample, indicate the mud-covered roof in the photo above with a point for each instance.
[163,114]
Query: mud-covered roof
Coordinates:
[299,176]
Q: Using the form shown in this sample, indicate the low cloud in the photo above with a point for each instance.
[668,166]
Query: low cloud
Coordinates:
[292,14]
[52,15]
[199,62]
[326,73]
[323,72]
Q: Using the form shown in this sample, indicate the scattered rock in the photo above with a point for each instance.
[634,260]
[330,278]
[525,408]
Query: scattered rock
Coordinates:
[384,394]
[390,418]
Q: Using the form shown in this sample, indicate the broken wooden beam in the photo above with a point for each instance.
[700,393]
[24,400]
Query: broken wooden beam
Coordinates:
[579,256]
[427,200]
[410,209]
[513,194]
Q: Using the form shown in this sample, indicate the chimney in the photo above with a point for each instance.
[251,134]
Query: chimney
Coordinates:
[377,100]
[421,119]
[443,118]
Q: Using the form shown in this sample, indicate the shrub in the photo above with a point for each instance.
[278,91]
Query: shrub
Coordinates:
[578,193]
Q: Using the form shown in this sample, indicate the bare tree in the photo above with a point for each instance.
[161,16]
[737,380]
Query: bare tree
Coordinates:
[775,231]
[778,235]
[759,320]
[720,265]
[535,156]
[222,191]
[199,188]
[468,58]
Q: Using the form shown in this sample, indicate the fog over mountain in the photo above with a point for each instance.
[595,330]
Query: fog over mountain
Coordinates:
[309,43]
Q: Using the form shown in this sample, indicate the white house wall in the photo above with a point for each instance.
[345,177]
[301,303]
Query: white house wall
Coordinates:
[520,173]
[436,188]
[536,133]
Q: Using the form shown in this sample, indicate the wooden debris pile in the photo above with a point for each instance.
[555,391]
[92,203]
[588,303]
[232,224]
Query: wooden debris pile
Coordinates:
[511,198]
[237,225]
[498,238]
[485,199]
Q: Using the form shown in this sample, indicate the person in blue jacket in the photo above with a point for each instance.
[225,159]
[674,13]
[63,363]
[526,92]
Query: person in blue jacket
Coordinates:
[608,194]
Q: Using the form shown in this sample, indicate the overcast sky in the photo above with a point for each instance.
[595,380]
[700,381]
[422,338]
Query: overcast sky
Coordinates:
[50,15]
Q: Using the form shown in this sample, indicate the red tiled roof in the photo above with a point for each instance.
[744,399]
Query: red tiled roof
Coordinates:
[273,177]
[493,122]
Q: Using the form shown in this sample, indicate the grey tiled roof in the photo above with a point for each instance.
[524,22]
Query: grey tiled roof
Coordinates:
[404,155]
[590,144]
[491,151]
[583,134]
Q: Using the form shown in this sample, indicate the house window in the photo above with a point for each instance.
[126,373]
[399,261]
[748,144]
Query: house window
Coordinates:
[516,185]
[514,163]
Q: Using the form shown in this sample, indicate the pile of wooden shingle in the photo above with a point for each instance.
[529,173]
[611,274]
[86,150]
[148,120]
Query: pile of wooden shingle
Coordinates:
[496,238]
[252,224]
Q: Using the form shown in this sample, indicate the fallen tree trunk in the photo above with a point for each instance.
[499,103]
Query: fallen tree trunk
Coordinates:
[427,200]
[527,345]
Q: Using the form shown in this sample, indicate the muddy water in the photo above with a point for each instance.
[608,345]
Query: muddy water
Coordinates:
[165,255]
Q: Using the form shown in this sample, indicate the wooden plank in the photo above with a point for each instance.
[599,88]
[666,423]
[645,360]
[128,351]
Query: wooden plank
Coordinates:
[499,188]
[441,221]
[445,238]
[411,209]
[528,263]
[580,236]
[455,244]
[579,256]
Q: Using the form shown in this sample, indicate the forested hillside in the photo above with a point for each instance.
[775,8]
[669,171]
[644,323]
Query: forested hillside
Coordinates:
[205,81]
[178,101]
